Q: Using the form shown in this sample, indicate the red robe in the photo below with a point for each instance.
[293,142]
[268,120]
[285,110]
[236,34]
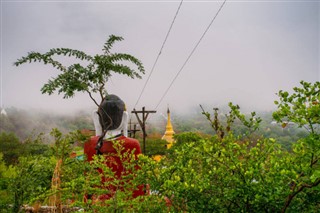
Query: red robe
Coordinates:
[114,162]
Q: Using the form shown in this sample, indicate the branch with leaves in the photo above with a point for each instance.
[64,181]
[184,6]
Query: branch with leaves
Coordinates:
[91,78]
[302,107]
[252,123]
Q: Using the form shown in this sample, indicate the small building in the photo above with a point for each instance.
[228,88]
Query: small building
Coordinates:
[3,112]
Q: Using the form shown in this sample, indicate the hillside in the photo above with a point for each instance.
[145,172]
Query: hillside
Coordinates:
[25,124]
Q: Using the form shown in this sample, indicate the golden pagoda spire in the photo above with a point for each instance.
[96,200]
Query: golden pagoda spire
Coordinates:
[168,135]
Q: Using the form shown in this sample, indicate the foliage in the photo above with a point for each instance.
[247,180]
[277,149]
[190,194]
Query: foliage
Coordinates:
[284,136]
[91,78]
[236,174]
[32,181]
[228,172]
[86,180]
[6,174]
[63,144]
[155,147]
[302,107]
[10,147]
[218,176]
[186,137]
[222,129]
[78,179]
[34,145]
[222,173]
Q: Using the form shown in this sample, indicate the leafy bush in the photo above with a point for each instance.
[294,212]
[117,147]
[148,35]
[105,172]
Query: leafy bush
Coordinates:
[223,173]
[32,181]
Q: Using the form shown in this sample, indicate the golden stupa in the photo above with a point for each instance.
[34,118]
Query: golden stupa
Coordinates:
[168,135]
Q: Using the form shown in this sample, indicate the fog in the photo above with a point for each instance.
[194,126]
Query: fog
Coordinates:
[252,50]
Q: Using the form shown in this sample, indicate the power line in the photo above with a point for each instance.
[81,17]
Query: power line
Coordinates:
[193,50]
[165,40]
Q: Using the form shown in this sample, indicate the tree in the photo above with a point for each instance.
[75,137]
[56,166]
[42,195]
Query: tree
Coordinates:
[10,147]
[302,108]
[91,78]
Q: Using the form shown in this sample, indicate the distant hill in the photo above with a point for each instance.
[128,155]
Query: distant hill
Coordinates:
[26,123]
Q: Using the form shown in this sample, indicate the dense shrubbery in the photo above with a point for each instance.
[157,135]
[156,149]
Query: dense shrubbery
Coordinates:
[245,173]
[227,172]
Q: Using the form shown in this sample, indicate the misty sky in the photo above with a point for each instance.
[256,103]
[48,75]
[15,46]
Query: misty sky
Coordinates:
[252,50]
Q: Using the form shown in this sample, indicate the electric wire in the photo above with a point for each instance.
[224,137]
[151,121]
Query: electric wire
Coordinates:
[191,53]
[156,61]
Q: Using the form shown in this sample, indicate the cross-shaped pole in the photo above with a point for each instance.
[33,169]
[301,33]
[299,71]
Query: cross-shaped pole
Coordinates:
[142,123]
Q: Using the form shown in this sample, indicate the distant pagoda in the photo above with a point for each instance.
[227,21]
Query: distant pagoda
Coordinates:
[168,135]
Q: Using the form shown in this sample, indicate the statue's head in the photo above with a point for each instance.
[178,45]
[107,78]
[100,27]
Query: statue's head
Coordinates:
[111,112]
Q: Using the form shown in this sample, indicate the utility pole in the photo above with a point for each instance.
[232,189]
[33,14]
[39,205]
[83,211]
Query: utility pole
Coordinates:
[142,123]
[132,132]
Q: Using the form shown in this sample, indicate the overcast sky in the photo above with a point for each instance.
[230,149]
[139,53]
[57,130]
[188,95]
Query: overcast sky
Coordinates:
[252,50]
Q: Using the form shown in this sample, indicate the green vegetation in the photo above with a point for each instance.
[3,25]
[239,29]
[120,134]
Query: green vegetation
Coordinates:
[302,107]
[237,166]
[11,148]
[91,78]
[237,173]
